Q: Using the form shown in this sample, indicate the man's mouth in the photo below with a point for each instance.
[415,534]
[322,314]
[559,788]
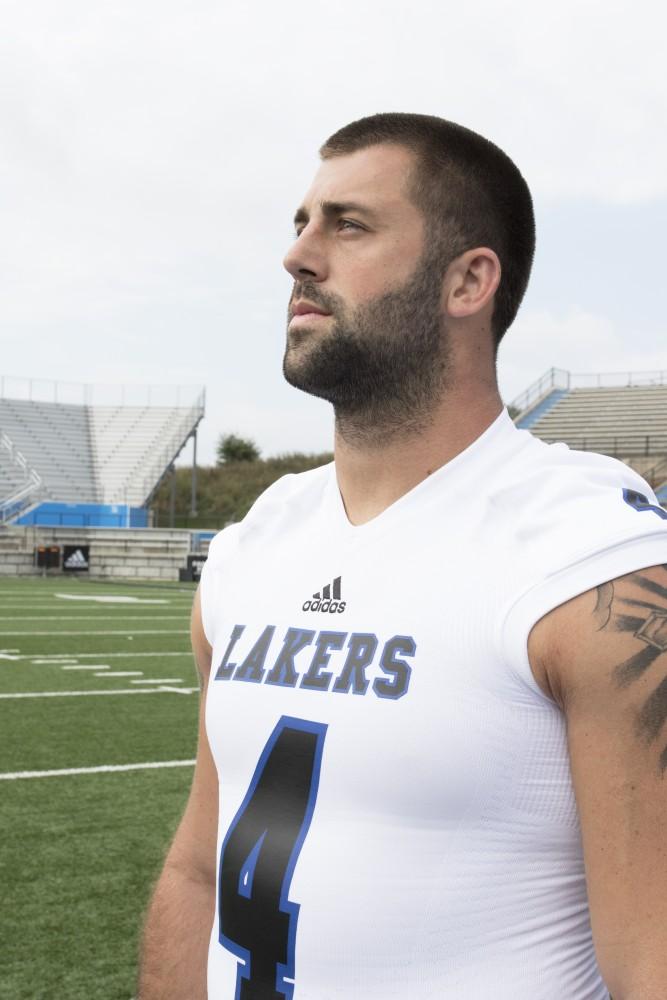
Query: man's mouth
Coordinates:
[306,312]
[304,308]
[300,318]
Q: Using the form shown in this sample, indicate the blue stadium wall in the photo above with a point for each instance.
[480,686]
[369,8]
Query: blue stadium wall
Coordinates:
[86,515]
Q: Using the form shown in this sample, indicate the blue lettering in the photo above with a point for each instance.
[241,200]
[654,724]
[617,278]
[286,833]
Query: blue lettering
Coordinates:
[316,677]
[252,667]
[226,669]
[283,672]
[398,669]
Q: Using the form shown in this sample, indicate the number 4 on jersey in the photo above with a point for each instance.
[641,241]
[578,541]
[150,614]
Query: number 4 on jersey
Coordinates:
[258,858]
[640,502]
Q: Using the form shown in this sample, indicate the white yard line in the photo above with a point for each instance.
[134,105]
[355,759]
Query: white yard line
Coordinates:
[88,618]
[124,631]
[84,694]
[115,610]
[159,680]
[53,660]
[103,769]
[122,673]
[89,666]
[84,656]
[119,598]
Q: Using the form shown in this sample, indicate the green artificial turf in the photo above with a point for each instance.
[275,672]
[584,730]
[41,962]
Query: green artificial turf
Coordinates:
[79,853]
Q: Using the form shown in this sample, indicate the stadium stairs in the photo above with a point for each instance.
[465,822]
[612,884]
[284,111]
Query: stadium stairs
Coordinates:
[627,420]
[20,485]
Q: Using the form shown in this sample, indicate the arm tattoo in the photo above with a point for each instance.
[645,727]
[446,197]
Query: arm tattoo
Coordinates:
[645,617]
[602,612]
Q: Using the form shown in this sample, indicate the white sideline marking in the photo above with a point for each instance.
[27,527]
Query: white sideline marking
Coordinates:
[113,598]
[54,660]
[120,673]
[103,769]
[93,694]
[123,631]
[82,656]
[159,680]
[8,654]
[88,666]
[20,605]
[89,618]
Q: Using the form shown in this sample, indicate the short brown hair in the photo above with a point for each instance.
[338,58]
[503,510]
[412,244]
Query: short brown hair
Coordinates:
[469,190]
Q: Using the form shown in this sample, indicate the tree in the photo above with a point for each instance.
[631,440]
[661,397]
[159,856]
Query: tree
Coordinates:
[232,448]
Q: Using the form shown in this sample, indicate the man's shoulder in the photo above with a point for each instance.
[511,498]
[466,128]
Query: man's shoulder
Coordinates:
[280,503]
[290,492]
[551,490]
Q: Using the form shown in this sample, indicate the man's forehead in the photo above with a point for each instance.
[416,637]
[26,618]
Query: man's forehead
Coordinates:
[376,177]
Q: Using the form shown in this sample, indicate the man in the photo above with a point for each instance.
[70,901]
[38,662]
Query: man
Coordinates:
[432,752]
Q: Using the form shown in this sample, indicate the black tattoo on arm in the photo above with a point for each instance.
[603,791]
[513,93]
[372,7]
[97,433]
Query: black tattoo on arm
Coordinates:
[602,612]
[641,610]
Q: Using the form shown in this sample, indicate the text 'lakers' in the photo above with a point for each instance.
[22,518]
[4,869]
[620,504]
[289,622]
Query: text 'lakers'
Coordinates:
[342,662]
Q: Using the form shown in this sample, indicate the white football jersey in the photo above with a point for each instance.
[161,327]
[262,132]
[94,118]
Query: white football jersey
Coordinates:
[396,811]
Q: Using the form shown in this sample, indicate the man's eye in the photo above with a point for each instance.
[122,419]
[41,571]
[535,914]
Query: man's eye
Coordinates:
[346,224]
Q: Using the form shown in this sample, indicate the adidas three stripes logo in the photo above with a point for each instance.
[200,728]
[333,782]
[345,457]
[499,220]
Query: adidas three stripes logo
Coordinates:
[328,599]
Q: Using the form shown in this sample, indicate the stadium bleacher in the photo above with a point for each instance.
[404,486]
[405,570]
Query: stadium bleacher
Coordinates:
[87,453]
[627,420]
[54,438]
[19,482]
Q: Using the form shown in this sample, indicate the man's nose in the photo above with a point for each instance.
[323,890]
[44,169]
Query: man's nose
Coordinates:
[306,258]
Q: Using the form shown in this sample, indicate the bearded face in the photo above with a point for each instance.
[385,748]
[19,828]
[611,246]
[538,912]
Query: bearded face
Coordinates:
[381,364]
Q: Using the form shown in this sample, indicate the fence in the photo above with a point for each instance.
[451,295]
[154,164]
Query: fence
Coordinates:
[558,378]
[98,394]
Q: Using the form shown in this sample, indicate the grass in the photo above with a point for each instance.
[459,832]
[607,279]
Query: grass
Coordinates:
[80,852]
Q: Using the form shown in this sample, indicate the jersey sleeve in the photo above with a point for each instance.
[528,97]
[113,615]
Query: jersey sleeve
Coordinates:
[599,530]
[209,583]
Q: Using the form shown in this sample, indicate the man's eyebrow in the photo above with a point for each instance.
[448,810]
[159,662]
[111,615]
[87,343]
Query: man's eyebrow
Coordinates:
[331,208]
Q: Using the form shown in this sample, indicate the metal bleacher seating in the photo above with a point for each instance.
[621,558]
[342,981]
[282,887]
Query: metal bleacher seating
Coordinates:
[132,446]
[627,421]
[54,438]
[84,453]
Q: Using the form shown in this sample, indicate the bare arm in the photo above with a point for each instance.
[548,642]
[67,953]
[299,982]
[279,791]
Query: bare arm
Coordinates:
[603,657]
[180,916]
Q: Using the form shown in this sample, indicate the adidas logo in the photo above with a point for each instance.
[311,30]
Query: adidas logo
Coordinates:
[328,600]
[76,561]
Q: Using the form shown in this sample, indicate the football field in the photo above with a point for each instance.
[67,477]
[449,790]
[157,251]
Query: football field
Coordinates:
[97,682]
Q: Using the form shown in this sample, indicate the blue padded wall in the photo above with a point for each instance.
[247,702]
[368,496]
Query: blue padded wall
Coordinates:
[86,515]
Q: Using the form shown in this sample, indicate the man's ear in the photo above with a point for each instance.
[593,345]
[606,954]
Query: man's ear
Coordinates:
[471,282]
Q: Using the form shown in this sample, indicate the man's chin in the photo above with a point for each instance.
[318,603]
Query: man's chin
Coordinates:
[299,374]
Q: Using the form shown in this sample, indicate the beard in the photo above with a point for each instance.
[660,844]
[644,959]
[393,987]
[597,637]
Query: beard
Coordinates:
[383,365]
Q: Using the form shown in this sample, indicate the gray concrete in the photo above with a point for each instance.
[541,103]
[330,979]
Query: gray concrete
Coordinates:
[142,554]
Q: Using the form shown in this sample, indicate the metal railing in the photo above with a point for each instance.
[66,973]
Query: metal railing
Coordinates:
[97,394]
[26,494]
[657,474]
[168,455]
[555,378]
[558,378]
[618,445]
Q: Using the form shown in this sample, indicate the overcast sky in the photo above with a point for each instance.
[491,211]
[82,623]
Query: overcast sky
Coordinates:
[152,154]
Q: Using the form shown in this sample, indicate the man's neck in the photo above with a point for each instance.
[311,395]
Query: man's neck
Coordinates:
[372,477]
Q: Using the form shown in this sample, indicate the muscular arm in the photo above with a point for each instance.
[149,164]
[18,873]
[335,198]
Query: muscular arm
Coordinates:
[180,916]
[603,657]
